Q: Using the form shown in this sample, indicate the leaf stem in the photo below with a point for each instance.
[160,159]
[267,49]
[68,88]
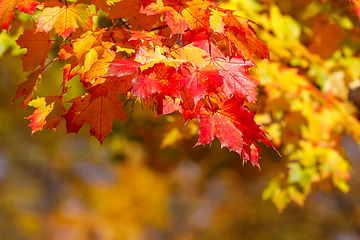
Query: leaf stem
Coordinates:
[48,64]
[56,41]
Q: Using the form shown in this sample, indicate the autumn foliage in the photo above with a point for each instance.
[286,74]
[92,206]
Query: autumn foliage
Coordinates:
[240,71]
[177,55]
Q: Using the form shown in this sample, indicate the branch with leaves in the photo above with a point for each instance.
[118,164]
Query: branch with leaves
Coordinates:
[178,55]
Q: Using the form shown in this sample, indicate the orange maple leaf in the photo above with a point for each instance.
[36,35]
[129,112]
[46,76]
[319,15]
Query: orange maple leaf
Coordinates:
[27,87]
[98,112]
[37,119]
[241,35]
[65,20]
[112,84]
[49,111]
[37,44]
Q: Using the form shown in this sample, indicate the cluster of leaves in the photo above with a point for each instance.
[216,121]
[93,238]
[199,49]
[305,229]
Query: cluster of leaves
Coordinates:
[194,57]
[177,55]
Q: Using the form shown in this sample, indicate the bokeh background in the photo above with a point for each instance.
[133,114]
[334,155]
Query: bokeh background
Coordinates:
[142,184]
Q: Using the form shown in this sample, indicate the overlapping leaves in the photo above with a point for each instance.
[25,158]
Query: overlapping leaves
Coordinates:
[186,56]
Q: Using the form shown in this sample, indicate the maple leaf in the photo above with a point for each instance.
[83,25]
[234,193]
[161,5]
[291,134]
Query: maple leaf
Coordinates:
[216,21]
[167,104]
[57,109]
[200,81]
[99,67]
[37,119]
[189,108]
[202,41]
[237,81]
[123,84]
[27,87]
[168,79]
[49,111]
[65,52]
[175,21]
[149,57]
[37,44]
[196,13]
[123,67]
[112,84]
[181,14]
[241,35]
[65,20]
[98,112]
[71,69]
[91,57]
[234,126]
[145,36]
[193,54]
[8,7]
[160,78]
[86,42]
[145,85]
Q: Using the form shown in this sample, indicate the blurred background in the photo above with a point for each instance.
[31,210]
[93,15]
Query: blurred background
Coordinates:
[147,181]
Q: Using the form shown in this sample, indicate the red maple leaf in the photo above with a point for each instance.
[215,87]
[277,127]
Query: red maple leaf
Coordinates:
[145,85]
[123,67]
[168,79]
[237,81]
[200,81]
[167,104]
[202,40]
[189,108]
[233,125]
[160,78]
